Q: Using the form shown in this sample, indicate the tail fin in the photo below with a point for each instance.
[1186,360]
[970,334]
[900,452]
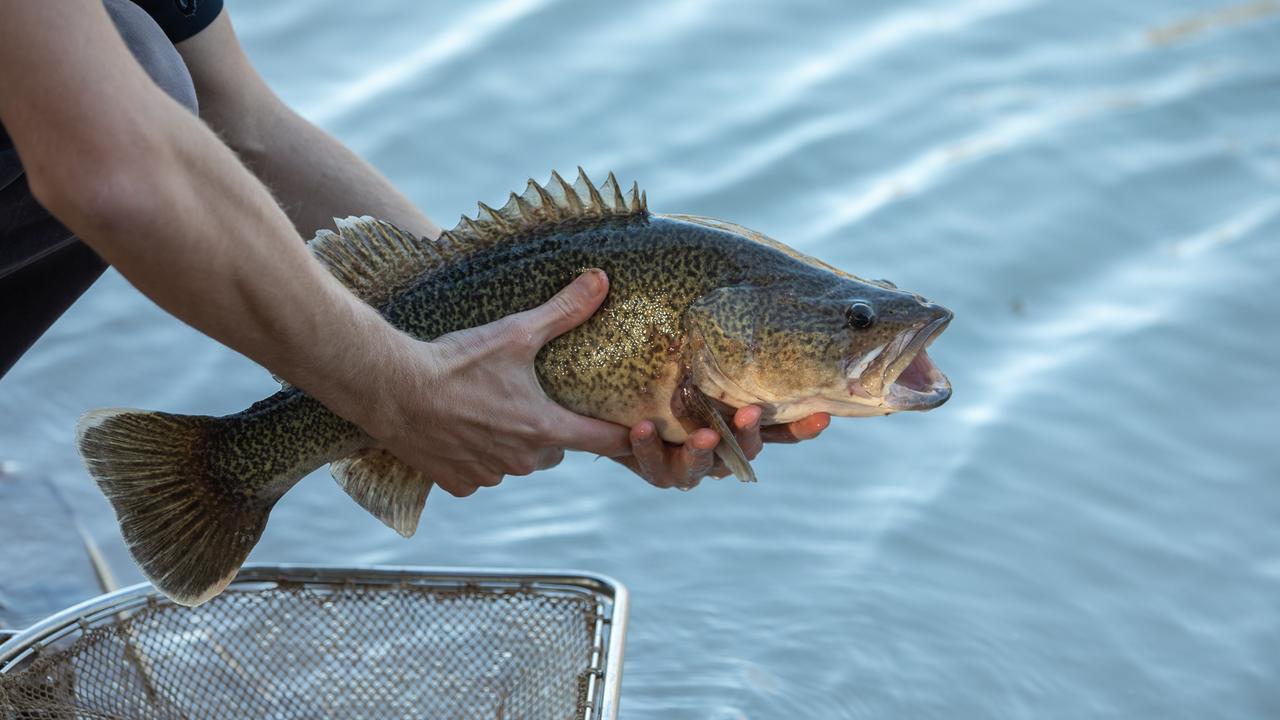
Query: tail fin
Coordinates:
[186,527]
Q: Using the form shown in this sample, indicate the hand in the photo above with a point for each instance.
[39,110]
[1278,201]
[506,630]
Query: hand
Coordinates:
[683,466]
[466,408]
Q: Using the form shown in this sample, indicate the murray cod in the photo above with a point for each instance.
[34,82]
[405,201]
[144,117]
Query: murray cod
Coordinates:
[702,317]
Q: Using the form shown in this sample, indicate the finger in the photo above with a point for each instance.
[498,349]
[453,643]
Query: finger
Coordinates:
[803,429]
[464,480]
[746,429]
[696,457]
[567,309]
[481,476]
[629,462]
[549,458]
[456,486]
[579,432]
[719,470]
[811,427]
[650,455]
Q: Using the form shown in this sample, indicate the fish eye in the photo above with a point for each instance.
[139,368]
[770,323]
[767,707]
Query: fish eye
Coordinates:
[860,316]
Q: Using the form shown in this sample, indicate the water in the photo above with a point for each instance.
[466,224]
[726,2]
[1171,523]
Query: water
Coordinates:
[1088,529]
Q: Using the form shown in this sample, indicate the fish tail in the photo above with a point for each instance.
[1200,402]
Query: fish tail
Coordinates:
[188,524]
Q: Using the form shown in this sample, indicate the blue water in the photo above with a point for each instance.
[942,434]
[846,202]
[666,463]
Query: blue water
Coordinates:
[1090,528]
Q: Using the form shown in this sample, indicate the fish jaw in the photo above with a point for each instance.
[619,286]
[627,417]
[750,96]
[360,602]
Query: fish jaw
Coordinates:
[920,386]
[705,374]
[903,376]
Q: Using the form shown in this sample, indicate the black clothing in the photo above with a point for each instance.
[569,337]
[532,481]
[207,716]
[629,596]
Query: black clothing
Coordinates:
[43,267]
[180,19]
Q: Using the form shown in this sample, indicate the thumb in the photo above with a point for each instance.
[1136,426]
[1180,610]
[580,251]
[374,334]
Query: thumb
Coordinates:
[568,309]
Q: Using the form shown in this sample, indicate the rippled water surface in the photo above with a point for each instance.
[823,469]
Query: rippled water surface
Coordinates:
[1090,528]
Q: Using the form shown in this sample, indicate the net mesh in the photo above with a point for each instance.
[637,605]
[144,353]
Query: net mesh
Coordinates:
[355,651]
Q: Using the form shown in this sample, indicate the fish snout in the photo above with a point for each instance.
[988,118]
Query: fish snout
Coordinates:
[936,311]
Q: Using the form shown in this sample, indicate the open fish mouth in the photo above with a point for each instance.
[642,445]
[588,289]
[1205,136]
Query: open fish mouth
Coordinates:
[912,381]
[908,378]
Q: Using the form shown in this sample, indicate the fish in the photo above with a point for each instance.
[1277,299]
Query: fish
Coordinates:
[702,317]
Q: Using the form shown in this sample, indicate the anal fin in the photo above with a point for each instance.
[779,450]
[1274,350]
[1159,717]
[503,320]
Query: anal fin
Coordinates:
[728,450]
[390,490]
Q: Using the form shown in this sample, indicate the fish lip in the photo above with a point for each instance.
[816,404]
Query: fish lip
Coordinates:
[923,337]
[897,396]
[900,397]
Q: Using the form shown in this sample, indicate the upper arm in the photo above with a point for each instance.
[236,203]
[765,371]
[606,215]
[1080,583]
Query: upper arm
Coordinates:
[234,99]
[72,97]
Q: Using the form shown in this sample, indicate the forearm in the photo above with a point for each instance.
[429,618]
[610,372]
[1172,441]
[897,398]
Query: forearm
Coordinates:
[316,178]
[199,235]
[313,176]
[151,189]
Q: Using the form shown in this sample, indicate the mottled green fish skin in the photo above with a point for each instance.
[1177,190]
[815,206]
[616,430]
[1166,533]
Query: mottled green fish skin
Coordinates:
[658,268]
[702,316]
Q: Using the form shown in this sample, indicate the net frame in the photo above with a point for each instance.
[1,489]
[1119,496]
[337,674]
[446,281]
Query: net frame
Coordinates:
[608,630]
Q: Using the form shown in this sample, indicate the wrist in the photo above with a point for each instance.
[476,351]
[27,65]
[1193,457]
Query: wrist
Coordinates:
[374,377]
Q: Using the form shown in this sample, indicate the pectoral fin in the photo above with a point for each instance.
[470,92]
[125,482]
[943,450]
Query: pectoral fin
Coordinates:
[390,490]
[728,450]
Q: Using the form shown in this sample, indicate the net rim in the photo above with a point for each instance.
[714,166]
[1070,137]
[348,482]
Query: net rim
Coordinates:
[610,633]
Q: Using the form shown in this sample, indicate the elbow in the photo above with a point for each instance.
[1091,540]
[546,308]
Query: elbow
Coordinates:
[250,132]
[96,196]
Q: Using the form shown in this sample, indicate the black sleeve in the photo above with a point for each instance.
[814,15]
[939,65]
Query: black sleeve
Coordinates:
[180,19]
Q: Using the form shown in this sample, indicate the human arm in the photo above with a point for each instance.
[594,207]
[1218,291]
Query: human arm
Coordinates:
[314,178]
[151,189]
[312,175]
[154,192]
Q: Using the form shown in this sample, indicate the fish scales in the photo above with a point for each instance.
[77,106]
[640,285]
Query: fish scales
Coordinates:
[602,368]
[702,317]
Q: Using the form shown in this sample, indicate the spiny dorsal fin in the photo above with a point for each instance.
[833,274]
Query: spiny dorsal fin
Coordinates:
[541,207]
[376,260]
[373,258]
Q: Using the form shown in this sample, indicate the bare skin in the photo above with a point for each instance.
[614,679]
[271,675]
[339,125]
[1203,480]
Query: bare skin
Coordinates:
[180,208]
[683,466]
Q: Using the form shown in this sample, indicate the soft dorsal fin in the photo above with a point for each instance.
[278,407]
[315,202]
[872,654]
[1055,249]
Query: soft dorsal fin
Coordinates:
[759,237]
[376,260]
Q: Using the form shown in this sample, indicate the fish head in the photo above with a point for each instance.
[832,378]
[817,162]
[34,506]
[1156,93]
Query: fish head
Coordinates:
[823,343]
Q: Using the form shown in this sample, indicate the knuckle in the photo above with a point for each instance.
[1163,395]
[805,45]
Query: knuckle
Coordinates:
[522,466]
[544,428]
[550,458]
[465,343]
[515,332]
[648,469]
[656,479]
[460,490]
[699,469]
[565,305]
